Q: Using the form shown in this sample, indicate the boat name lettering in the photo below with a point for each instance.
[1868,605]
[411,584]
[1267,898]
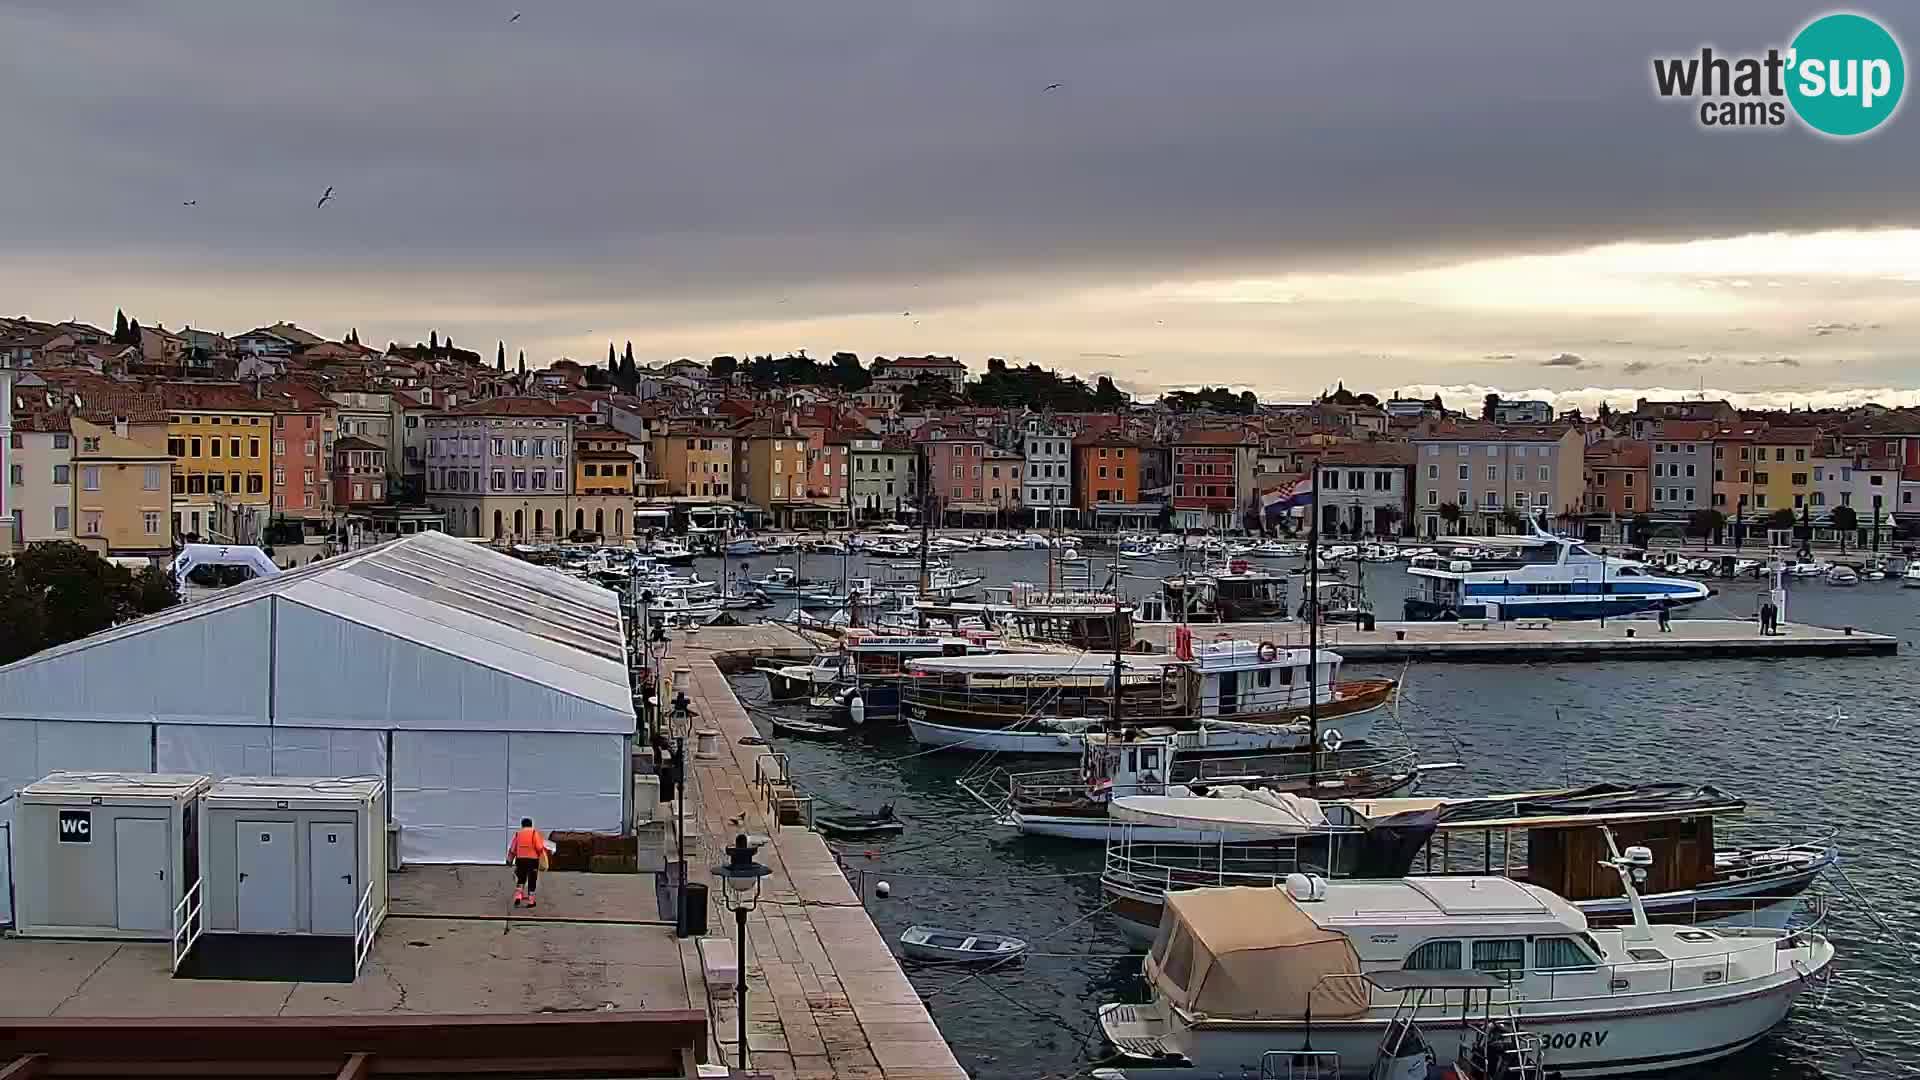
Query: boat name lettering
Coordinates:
[1570,1040]
[1384,939]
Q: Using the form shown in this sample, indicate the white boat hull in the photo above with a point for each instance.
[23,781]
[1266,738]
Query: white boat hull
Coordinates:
[1353,727]
[1677,1031]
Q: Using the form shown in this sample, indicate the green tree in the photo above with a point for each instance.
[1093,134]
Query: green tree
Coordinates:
[433,341]
[1780,519]
[1511,519]
[1639,530]
[153,589]
[58,591]
[500,358]
[847,374]
[1489,408]
[1450,513]
[1706,523]
[1844,522]
[133,332]
[723,367]
[523,364]
[1106,396]
[629,378]
[120,327]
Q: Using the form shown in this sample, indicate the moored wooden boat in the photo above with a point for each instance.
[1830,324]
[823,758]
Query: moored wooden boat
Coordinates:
[959,946]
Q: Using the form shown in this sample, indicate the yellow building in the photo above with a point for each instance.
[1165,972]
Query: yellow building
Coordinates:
[696,462]
[1783,468]
[773,470]
[221,440]
[603,469]
[122,499]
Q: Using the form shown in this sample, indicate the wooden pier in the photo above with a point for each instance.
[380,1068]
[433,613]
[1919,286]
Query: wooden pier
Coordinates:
[826,998]
[1525,641]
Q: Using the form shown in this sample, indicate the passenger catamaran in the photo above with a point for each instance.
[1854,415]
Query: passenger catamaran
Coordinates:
[1239,973]
[1540,577]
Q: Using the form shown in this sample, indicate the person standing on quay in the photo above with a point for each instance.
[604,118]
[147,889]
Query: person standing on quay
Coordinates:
[1666,616]
[525,851]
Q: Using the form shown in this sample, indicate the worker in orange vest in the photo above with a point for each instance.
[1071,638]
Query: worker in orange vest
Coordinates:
[524,851]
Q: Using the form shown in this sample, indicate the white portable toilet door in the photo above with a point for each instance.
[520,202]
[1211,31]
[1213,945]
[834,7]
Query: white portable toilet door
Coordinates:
[333,888]
[265,860]
[140,875]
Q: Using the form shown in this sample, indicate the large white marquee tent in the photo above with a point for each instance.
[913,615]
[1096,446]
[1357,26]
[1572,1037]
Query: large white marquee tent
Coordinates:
[484,689]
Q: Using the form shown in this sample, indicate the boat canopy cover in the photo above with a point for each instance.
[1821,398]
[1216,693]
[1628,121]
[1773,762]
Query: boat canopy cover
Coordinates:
[1052,664]
[1595,801]
[1251,954]
[1244,811]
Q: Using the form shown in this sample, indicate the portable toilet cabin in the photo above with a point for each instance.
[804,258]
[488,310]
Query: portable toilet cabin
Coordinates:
[294,877]
[105,854]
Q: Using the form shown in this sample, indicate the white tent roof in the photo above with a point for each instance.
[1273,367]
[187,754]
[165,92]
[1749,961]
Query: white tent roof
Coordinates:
[426,632]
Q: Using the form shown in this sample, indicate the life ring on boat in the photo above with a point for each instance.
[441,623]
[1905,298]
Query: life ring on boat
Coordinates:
[1330,740]
[1268,651]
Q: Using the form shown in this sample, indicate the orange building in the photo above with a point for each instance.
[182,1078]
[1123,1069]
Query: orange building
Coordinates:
[1106,471]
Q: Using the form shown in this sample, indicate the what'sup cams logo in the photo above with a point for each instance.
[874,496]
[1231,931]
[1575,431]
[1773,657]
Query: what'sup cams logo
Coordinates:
[1842,76]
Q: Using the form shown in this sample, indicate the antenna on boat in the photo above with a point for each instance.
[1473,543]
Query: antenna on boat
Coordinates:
[926,516]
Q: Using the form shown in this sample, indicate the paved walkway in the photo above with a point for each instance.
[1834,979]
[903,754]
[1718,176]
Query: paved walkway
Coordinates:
[825,997]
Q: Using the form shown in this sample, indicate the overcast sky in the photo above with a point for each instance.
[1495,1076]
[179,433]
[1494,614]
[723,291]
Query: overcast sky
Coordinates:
[1272,195]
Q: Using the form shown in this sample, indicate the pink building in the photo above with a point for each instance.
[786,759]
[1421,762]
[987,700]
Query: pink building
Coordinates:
[955,468]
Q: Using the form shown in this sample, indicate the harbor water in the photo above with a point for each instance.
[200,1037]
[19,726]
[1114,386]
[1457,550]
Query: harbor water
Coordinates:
[1805,741]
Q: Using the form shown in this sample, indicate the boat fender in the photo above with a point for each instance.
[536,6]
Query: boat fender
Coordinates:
[1330,739]
[1268,651]
[857,709]
[883,890]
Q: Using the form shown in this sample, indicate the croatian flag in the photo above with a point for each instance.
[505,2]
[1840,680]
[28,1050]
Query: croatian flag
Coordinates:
[1277,501]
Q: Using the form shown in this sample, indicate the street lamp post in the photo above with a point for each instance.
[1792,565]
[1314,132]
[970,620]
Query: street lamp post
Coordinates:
[740,880]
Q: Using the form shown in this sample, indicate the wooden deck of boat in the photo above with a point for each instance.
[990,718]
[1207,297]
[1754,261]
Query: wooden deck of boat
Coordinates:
[1505,642]
[826,998]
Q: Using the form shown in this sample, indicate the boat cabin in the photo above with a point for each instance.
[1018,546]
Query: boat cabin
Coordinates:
[886,655]
[1231,678]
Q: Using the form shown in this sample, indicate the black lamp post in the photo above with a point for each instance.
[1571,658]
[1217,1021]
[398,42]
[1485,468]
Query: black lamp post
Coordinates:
[740,879]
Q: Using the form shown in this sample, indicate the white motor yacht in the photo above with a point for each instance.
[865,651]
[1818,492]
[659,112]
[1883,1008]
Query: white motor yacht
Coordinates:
[1238,974]
[1539,576]
[1911,579]
[1843,575]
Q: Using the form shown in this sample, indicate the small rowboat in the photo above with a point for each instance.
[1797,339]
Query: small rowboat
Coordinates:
[882,823]
[958,946]
[806,729]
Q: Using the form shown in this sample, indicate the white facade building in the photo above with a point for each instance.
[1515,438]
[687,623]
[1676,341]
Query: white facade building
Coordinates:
[1049,481]
[482,689]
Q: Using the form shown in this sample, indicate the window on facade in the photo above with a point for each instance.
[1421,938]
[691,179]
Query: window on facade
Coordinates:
[62,474]
[253,448]
[233,446]
[216,483]
[1463,472]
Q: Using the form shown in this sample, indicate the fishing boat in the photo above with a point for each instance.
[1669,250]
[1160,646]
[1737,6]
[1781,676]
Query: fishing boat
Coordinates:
[1030,615]
[853,825]
[785,581]
[788,682]
[1235,591]
[1226,697]
[1073,804]
[1239,974]
[1843,575]
[1338,602]
[876,667]
[1540,576]
[959,946]
[1704,871]
[670,552]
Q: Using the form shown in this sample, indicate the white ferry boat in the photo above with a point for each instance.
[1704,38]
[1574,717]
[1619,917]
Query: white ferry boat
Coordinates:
[1540,577]
[1237,974]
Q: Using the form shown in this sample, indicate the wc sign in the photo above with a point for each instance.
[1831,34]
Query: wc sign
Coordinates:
[76,826]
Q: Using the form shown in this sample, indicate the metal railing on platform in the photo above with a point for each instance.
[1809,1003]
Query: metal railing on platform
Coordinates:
[187,926]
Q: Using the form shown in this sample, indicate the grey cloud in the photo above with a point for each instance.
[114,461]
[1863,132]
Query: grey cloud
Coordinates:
[1772,361]
[1103,356]
[1829,329]
[605,149]
[1565,360]
[1635,367]
[1498,356]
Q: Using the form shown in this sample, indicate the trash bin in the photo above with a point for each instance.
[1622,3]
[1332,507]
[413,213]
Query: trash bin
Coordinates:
[693,910]
[1366,620]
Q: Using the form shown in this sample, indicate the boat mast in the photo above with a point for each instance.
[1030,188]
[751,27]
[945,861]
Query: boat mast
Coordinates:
[926,516]
[1313,622]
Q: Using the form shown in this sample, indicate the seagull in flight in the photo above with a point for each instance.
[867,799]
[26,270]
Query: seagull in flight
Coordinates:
[1051,86]
[515,19]
[191,202]
[325,198]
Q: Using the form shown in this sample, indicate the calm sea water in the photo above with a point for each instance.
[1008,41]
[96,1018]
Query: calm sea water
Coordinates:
[1763,730]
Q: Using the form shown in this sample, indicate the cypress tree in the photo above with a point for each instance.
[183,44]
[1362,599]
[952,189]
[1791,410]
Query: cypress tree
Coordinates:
[523,363]
[433,341]
[500,358]
[120,329]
